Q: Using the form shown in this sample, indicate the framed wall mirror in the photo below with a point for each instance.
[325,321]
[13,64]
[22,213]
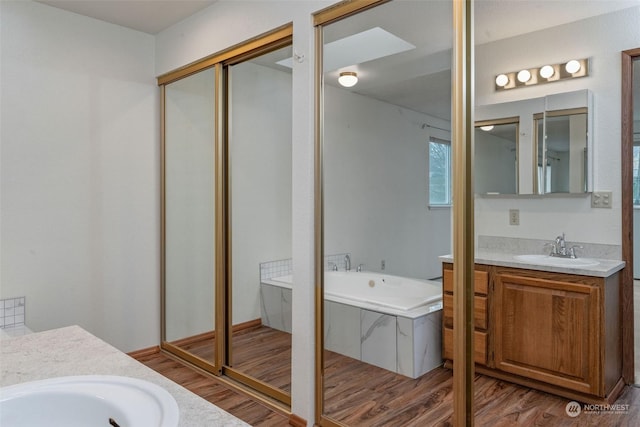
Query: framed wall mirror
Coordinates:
[552,142]
[564,144]
[496,156]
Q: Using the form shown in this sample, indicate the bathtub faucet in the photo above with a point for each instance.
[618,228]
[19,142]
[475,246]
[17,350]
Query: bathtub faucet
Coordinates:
[347,262]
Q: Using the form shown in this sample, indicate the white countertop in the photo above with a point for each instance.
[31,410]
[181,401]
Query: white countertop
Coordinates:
[74,351]
[604,268]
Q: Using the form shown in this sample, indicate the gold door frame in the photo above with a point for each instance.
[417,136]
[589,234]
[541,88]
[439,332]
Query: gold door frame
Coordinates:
[463,208]
[267,42]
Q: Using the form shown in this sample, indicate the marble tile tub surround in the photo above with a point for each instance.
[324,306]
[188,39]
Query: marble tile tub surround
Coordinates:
[275,307]
[74,351]
[517,246]
[410,347]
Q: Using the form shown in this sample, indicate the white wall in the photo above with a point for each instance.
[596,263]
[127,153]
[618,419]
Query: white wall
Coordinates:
[376,186]
[601,39]
[79,135]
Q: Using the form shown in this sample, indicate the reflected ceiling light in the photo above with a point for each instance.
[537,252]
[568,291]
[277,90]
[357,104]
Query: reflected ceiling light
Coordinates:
[547,71]
[502,80]
[348,78]
[486,128]
[544,74]
[572,66]
[524,76]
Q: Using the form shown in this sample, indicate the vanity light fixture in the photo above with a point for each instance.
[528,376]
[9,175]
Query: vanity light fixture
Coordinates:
[572,66]
[524,76]
[502,80]
[348,78]
[547,71]
[545,74]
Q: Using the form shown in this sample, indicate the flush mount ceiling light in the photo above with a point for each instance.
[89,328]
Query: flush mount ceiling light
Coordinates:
[545,74]
[348,78]
[486,128]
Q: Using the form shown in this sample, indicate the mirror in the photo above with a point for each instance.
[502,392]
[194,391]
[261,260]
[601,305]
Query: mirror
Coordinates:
[552,141]
[563,144]
[496,156]
[189,223]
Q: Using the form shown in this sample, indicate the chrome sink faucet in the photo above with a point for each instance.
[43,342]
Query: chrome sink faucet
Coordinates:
[559,248]
[347,262]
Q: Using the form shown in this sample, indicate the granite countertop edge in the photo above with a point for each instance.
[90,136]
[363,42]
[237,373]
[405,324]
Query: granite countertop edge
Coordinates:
[71,351]
[604,268]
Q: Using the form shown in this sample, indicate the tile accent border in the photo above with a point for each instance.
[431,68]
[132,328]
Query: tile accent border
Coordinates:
[12,312]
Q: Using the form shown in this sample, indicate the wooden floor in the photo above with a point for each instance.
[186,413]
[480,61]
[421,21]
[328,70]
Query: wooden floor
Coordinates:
[359,394]
[215,391]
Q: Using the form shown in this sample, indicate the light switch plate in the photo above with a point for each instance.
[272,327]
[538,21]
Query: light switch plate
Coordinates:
[601,199]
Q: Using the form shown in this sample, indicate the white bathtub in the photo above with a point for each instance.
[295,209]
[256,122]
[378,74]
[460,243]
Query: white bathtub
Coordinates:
[389,321]
[396,295]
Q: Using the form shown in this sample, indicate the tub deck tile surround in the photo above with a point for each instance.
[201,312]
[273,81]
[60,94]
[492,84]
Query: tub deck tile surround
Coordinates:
[74,351]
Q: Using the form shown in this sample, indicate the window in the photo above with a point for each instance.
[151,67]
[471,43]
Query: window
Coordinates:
[439,172]
[636,174]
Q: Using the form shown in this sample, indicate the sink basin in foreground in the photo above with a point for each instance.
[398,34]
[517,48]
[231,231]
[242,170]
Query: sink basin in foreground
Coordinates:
[556,261]
[92,400]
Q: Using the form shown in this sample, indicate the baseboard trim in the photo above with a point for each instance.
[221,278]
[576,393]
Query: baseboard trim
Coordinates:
[297,421]
[144,352]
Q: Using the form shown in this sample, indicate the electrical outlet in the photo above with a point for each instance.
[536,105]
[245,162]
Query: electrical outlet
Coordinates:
[514,216]
[601,199]
[382,265]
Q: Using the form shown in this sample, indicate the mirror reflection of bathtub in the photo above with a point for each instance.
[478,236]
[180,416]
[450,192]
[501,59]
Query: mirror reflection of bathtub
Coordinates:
[388,321]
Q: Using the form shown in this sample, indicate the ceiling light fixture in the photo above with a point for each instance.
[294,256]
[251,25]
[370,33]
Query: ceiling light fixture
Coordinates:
[486,128]
[348,78]
[544,74]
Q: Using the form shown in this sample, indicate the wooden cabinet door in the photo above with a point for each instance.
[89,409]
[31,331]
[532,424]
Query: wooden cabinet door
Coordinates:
[548,330]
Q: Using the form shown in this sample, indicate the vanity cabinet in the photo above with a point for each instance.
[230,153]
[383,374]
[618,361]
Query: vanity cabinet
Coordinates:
[555,332]
[480,320]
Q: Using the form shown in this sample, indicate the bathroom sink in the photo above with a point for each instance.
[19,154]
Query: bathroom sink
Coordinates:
[92,400]
[556,261]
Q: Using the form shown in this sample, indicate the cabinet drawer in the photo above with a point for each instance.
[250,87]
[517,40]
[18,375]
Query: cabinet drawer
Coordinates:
[479,311]
[481,281]
[480,346]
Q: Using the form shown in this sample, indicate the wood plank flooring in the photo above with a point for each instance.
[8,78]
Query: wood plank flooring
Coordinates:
[215,391]
[359,394]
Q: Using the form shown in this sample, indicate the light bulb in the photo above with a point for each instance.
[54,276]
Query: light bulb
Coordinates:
[348,78]
[572,66]
[546,71]
[524,76]
[502,80]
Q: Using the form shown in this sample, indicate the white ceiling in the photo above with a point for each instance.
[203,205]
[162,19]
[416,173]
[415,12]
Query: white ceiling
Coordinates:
[153,16]
[397,83]
[148,16]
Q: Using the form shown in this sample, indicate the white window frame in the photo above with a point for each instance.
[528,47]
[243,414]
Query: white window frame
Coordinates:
[448,174]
